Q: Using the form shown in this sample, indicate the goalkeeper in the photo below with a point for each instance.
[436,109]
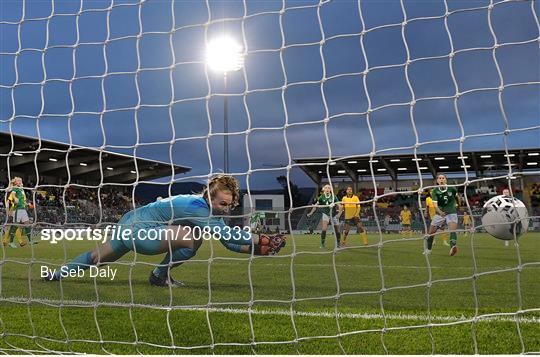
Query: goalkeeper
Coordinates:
[444,200]
[184,211]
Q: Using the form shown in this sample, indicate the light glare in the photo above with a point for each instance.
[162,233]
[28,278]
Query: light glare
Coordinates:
[223,54]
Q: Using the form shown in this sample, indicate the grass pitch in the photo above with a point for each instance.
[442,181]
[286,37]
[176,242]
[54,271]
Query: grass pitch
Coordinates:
[376,299]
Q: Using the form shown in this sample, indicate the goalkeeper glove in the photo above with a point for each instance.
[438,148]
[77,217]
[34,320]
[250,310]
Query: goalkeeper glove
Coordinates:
[269,245]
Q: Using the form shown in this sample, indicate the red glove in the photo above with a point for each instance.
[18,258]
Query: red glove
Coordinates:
[270,245]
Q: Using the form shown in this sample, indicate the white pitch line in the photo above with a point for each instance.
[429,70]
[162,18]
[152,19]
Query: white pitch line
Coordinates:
[224,261]
[367,316]
[390,266]
[498,317]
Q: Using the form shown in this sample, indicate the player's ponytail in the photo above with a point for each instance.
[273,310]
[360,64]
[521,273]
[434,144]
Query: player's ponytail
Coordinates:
[223,183]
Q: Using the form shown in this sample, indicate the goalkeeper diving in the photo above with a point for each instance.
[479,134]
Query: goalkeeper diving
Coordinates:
[179,214]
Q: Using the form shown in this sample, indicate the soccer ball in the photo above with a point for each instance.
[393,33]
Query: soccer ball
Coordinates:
[505,217]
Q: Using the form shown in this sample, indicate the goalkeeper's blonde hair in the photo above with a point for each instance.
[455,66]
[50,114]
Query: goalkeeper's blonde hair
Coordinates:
[223,183]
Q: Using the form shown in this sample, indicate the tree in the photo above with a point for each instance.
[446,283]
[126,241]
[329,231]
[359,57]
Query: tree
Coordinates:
[295,192]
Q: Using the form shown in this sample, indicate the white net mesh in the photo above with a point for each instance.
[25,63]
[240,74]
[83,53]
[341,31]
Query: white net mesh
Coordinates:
[338,81]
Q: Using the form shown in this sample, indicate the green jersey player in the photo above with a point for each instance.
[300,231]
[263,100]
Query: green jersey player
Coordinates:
[327,202]
[20,216]
[256,220]
[445,200]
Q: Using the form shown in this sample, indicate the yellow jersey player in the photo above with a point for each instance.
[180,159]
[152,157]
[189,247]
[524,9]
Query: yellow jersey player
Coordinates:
[467,223]
[432,212]
[351,203]
[405,217]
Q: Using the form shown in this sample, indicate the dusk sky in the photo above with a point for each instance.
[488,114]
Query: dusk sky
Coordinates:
[159,80]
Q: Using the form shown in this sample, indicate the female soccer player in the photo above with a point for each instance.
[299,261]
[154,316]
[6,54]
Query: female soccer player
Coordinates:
[20,215]
[327,201]
[405,217]
[444,199]
[431,213]
[177,215]
[352,207]
[255,222]
[467,223]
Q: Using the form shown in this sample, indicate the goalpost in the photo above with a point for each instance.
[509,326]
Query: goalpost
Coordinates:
[315,79]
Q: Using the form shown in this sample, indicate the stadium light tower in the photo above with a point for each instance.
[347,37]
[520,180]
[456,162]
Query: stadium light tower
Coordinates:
[224,54]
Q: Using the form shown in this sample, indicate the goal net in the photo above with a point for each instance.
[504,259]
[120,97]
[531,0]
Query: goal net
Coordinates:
[107,106]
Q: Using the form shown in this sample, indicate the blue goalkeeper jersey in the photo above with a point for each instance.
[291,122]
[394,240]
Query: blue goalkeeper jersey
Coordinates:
[184,210]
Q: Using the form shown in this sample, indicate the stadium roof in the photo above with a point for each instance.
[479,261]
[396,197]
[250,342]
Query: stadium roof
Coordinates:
[480,162]
[28,157]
